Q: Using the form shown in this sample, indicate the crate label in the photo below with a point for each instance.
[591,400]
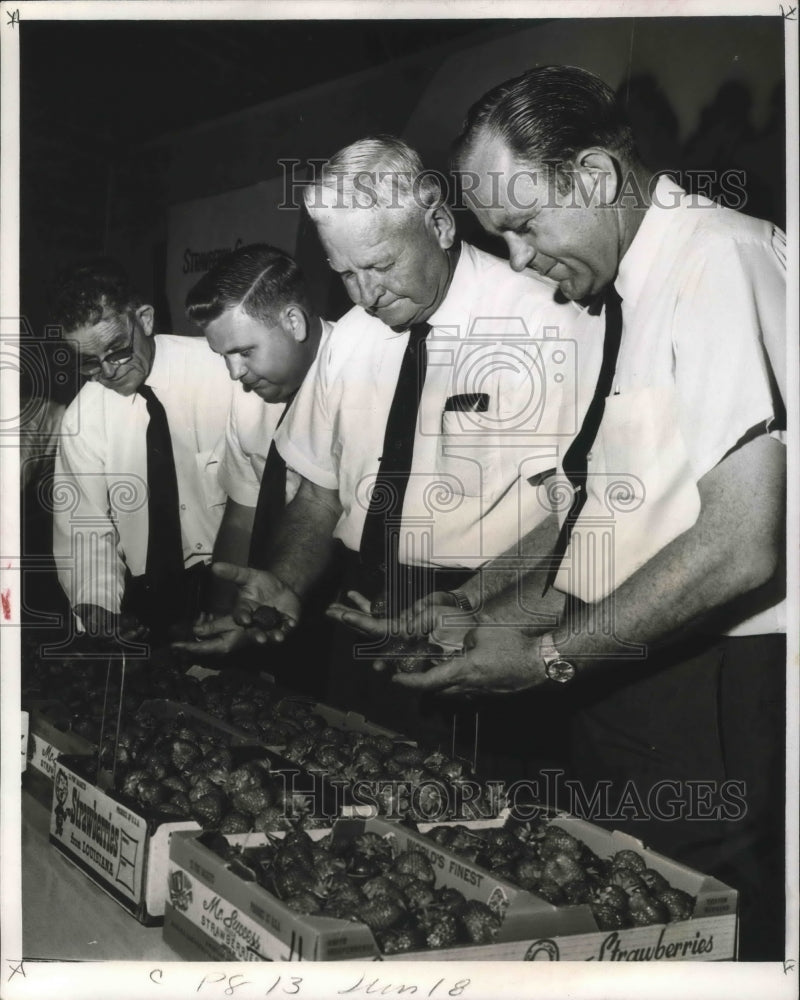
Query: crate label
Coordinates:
[42,755]
[708,939]
[225,924]
[104,836]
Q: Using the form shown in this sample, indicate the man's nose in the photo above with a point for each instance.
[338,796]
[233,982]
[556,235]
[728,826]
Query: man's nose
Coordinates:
[369,290]
[236,367]
[520,252]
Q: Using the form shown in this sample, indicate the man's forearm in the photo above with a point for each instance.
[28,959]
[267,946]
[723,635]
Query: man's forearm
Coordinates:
[232,545]
[731,551]
[304,538]
[512,587]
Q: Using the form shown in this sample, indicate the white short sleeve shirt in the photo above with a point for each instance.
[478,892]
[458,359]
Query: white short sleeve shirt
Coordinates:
[700,365]
[100,487]
[474,489]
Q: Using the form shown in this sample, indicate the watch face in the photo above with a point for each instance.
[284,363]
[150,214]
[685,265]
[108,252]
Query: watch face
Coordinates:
[560,671]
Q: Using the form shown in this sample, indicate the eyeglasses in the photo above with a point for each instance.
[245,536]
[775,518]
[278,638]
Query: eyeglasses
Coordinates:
[94,366]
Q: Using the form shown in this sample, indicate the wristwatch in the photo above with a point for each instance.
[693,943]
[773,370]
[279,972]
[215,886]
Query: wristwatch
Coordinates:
[555,666]
[462,601]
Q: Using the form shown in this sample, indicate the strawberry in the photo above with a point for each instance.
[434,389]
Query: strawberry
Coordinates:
[502,840]
[628,859]
[130,785]
[577,891]
[235,822]
[271,819]
[240,779]
[372,845]
[252,801]
[175,783]
[408,756]
[452,769]
[414,862]
[558,842]
[397,940]
[199,785]
[654,880]
[448,900]
[150,792]
[562,868]
[645,910]
[380,885]
[381,913]
[207,809]
[608,918]
[613,896]
[627,880]
[679,904]
[180,804]
[220,757]
[418,894]
[462,837]
[291,880]
[303,903]
[528,871]
[184,753]
[442,931]
[479,922]
[440,835]
[331,756]
[392,799]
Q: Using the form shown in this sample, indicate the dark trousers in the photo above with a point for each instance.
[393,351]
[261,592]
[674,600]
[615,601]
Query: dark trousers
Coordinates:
[690,748]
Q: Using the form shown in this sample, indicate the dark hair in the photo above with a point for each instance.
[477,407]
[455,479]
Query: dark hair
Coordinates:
[82,293]
[259,278]
[548,114]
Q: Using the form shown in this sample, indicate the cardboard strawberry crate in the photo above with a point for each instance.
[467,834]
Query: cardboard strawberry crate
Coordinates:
[115,845]
[123,845]
[212,913]
[711,934]
[48,736]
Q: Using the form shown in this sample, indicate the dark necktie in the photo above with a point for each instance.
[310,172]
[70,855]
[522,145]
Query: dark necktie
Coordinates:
[381,534]
[270,505]
[164,544]
[576,457]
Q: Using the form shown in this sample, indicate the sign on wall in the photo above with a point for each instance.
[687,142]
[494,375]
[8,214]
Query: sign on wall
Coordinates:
[204,230]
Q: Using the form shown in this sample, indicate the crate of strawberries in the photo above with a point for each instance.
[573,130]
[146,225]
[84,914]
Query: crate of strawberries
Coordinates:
[639,904]
[370,888]
[170,769]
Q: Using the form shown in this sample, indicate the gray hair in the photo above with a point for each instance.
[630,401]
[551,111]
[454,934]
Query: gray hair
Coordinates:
[380,171]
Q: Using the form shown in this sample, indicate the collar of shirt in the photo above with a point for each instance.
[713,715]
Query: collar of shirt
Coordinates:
[635,265]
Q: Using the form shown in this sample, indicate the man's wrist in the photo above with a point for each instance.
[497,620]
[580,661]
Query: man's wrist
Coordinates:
[461,601]
[556,667]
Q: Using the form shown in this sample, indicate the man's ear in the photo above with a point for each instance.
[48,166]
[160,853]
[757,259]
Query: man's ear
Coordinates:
[145,314]
[439,221]
[294,322]
[598,179]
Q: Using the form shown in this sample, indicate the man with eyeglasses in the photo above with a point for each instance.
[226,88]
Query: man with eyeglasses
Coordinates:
[151,405]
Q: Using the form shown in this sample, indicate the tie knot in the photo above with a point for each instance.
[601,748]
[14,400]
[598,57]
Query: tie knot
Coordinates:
[146,393]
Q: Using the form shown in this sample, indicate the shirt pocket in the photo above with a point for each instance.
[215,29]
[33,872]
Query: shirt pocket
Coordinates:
[207,465]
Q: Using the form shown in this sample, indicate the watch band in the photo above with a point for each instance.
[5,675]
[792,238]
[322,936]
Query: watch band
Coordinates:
[462,601]
[555,666]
